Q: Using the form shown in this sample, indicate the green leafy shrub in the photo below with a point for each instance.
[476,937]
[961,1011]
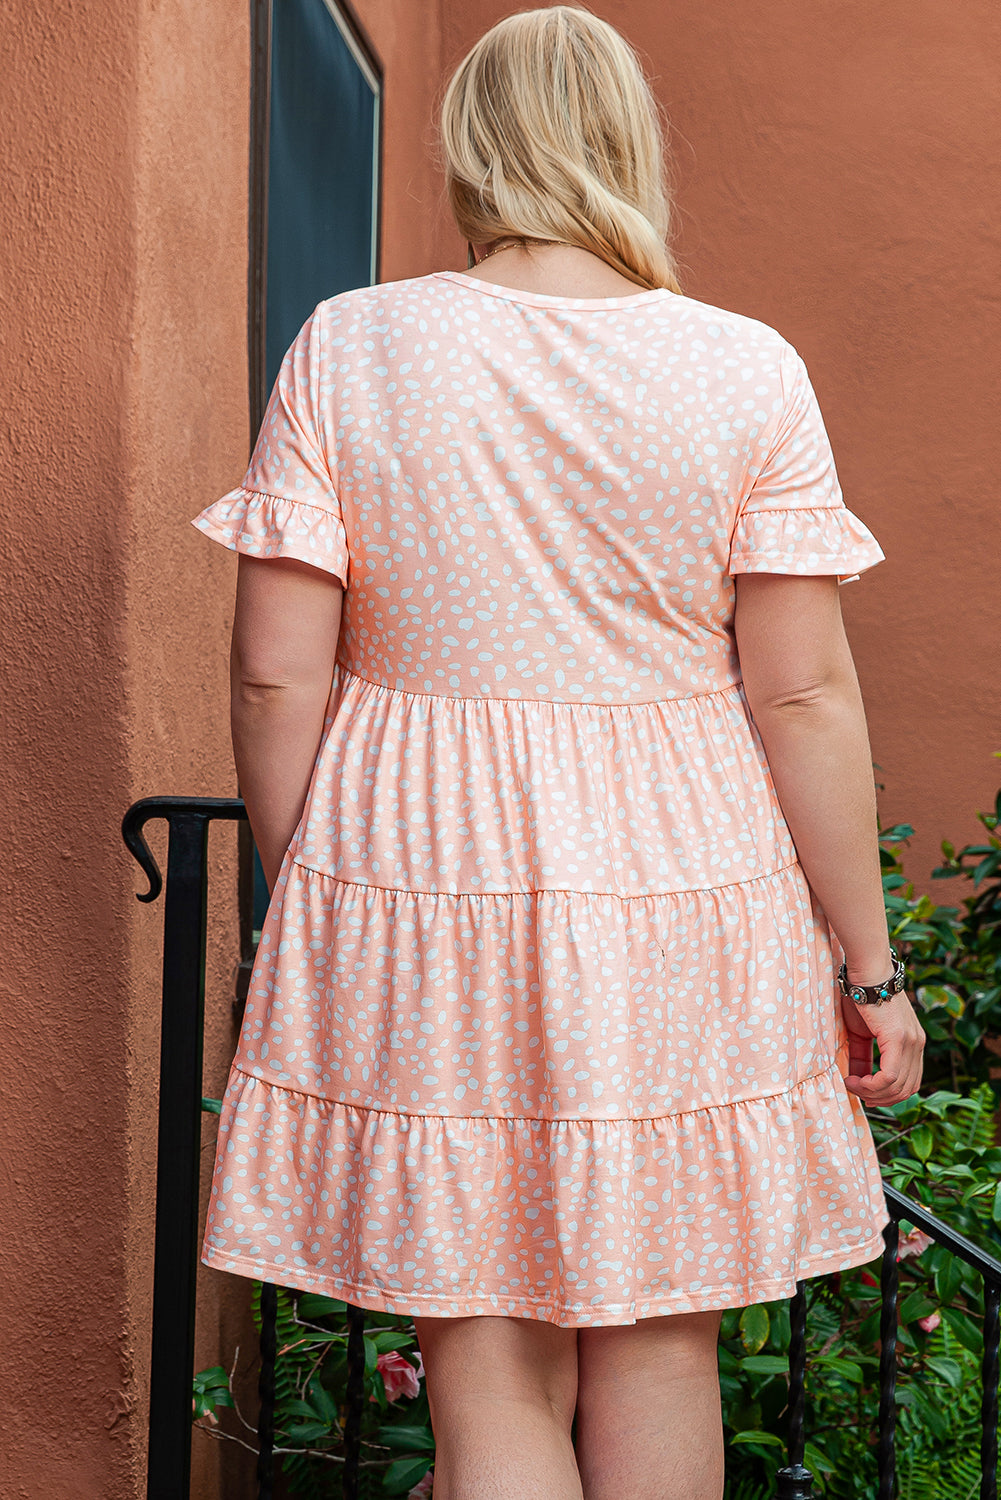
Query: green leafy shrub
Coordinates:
[953,954]
[310,1393]
[940,1150]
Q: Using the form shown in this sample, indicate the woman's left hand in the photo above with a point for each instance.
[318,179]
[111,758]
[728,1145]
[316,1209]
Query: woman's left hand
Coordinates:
[900,1037]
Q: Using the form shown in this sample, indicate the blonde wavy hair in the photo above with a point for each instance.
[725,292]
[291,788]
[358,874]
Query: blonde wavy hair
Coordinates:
[550,131]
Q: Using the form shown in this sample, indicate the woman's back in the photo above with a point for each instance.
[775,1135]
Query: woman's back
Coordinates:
[543,496]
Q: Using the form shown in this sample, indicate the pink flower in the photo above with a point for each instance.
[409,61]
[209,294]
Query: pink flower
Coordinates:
[398,1375]
[422,1490]
[916,1242]
[932,1321]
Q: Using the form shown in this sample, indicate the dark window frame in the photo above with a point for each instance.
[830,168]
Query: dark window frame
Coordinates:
[345,18]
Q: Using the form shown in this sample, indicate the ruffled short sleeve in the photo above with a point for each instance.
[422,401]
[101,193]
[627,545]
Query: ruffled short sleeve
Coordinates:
[794,519]
[287,505]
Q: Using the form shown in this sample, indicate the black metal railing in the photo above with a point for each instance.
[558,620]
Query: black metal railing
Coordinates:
[795,1482]
[176,1239]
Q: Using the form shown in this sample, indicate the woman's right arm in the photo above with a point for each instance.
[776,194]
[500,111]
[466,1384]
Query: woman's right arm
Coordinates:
[803,693]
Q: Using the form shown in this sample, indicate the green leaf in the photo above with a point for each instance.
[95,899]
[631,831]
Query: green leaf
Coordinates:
[996,1209]
[325,1408]
[300,1409]
[371,1354]
[410,1439]
[311,1305]
[950,1371]
[942,995]
[922,1142]
[948,1281]
[207,1401]
[403,1474]
[210,1388]
[765,1364]
[388,1339]
[845,1367]
[308,1432]
[916,1305]
[746,1417]
[755,1326]
[211,1106]
[817,1460]
[897,834]
[730,1324]
[766,1439]
[964,1328]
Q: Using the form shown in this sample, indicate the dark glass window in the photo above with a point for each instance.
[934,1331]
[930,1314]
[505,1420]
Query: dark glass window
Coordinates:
[314,214]
[323,163]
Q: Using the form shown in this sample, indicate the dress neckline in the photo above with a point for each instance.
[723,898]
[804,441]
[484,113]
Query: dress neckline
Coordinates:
[549,299]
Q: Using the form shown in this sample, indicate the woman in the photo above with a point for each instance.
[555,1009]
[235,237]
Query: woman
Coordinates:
[554,754]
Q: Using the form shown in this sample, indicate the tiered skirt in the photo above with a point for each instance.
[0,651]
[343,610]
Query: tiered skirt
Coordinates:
[543,1023]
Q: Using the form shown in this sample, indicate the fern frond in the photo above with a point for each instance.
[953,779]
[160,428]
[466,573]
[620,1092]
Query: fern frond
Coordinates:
[961,1476]
[747,1488]
[919,1476]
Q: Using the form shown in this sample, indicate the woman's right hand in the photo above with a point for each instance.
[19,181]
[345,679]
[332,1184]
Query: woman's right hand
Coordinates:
[900,1037]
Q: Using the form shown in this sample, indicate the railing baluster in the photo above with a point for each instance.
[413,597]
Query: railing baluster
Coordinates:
[888,1285]
[989,1401]
[266,1392]
[353,1405]
[796,1482]
[797,1375]
[178,1154]
[178,1158]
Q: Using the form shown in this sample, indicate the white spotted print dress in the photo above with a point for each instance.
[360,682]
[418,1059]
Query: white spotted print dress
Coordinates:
[543,1021]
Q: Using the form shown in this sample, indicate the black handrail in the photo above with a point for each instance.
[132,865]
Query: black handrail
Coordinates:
[175,1254]
[176,1239]
[796,1482]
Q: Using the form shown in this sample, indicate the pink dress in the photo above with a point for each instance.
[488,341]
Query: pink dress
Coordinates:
[543,1021]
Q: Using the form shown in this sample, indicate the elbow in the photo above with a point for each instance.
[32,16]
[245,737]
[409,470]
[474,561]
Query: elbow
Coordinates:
[253,695]
[254,684]
[807,701]
[262,686]
[800,698]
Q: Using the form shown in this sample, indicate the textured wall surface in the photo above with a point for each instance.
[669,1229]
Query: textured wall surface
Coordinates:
[123,309]
[839,170]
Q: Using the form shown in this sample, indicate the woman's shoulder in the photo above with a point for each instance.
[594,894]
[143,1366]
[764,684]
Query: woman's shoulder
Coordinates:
[723,325]
[367,301]
[419,305]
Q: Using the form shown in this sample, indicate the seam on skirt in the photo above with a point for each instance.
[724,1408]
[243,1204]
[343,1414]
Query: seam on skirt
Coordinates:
[396,890]
[372,1109]
[385,687]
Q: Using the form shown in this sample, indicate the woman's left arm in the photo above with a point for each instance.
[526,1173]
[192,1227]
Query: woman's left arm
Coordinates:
[288,616]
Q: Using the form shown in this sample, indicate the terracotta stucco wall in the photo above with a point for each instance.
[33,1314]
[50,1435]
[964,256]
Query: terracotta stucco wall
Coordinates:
[123,307]
[839,170]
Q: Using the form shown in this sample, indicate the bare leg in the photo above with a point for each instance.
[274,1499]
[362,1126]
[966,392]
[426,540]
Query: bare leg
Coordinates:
[648,1410]
[502,1394]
